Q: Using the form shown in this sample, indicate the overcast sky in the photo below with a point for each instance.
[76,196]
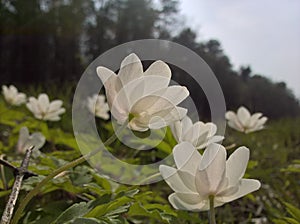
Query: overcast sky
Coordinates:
[264,34]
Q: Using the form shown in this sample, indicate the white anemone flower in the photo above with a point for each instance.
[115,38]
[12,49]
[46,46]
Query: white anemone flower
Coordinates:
[97,106]
[13,96]
[243,121]
[199,134]
[26,141]
[145,99]
[43,109]
[199,179]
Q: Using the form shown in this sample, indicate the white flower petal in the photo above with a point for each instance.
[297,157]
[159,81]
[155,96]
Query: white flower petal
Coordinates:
[172,178]
[213,163]
[20,99]
[190,198]
[233,121]
[26,141]
[157,83]
[55,105]
[214,139]
[236,165]
[188,179]
[246,186]
[193,132]
[211,128]
[201,140]
[179,203]
[235,125]
[37,140]
[112,87]
[186,157]
[202,183]
[261,122]
[253,120]
[4,90]
[104,74]
[131,68]
[54,116]
[175,94]
[23,136]
[43,102]
[230,115]
[131,93]
[243,116]
[159,68]
[176,129]
[13,90]
[166,117]
[32,105]
[228,190]
[164,99]
[186,124]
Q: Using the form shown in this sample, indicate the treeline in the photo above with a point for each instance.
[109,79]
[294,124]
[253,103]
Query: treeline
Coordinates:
[45,41]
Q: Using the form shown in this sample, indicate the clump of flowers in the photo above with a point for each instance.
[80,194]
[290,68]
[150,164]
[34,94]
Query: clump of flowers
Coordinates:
[97,106]
[26,141]
[199,134]
[145,99]
[43,109]
[200,180]
[243,121]
[12,96]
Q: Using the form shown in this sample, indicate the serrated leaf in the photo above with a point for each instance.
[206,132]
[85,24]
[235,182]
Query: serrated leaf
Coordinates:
[139,210]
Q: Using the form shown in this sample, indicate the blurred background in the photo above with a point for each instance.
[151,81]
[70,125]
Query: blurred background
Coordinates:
[49,44]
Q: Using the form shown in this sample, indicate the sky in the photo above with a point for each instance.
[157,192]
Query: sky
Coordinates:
[264,34]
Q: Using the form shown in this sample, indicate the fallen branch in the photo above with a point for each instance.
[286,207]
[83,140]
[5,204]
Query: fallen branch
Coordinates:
[21,172]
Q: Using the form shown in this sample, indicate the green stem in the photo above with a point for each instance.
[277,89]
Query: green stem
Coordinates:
[144,181]
[5,186]
[67,166]
[212,215]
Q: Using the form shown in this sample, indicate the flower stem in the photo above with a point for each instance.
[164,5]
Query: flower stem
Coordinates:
[212,215]
[5,185]
[67,166]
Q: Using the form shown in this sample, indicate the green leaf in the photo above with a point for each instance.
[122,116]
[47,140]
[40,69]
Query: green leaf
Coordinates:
[73,212]
[291,220]
[279,221]
[4,193]
[113,207]
[138,210]
[86,221]
[292,210]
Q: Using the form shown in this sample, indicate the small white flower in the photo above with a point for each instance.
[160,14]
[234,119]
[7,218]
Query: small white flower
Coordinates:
[199,134]
[97,106]
[143,98]
[197,178]
[43,109]
[243,121]
[12,96]
[27,141]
